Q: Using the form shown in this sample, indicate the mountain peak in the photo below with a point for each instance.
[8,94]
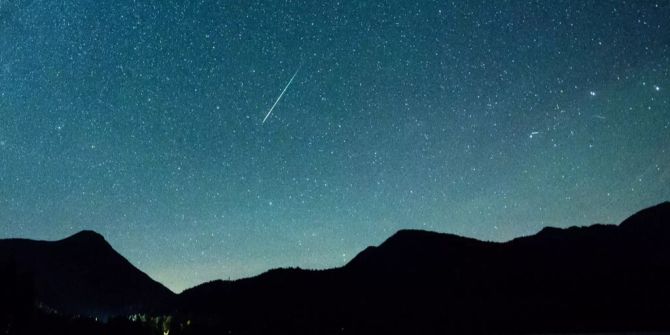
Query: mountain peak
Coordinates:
[87,234]
[83,274]
[419,238]
[411,234]
[410,249]
[86,237]
[550,231]
[655,218]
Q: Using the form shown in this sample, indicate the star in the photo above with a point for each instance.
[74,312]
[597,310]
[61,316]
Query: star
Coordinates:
[402,116]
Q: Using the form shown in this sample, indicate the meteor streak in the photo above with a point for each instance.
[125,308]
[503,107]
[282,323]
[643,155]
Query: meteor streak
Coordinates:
[281,95]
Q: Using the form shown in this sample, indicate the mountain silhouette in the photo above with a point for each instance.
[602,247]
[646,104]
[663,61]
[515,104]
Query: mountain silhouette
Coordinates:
[580,279]
[84,275]
[600,278]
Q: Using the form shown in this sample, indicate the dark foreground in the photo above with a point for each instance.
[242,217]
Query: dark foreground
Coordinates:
[597,279]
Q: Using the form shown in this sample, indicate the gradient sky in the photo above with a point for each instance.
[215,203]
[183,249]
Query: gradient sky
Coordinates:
[142,120]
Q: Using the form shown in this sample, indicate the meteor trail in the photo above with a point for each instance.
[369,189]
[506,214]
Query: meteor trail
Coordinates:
[281,95]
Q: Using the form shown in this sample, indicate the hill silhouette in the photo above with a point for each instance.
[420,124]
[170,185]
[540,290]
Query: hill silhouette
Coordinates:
[84,275]
[601,278]
[580,279]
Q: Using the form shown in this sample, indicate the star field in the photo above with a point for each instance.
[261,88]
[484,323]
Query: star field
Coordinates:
[142,120]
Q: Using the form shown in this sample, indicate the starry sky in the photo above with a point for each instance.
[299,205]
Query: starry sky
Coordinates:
[143,120]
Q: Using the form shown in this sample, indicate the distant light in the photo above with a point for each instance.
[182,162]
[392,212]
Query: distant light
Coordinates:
[657,88]
[592,93]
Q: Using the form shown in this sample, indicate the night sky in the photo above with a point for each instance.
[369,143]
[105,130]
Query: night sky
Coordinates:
[143,120]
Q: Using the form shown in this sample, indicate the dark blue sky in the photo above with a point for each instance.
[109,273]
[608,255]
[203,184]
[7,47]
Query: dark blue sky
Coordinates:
[142,120]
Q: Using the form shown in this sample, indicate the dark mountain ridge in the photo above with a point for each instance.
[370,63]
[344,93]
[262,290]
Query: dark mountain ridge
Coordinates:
[600,278]
[83,274]
[578,279]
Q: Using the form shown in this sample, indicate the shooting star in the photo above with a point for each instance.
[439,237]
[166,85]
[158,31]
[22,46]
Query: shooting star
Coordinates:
[281,95]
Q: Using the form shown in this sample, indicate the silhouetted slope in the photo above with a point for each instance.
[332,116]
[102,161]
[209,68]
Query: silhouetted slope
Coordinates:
[603,278]
[417,250]
[82,274]
[579,279]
